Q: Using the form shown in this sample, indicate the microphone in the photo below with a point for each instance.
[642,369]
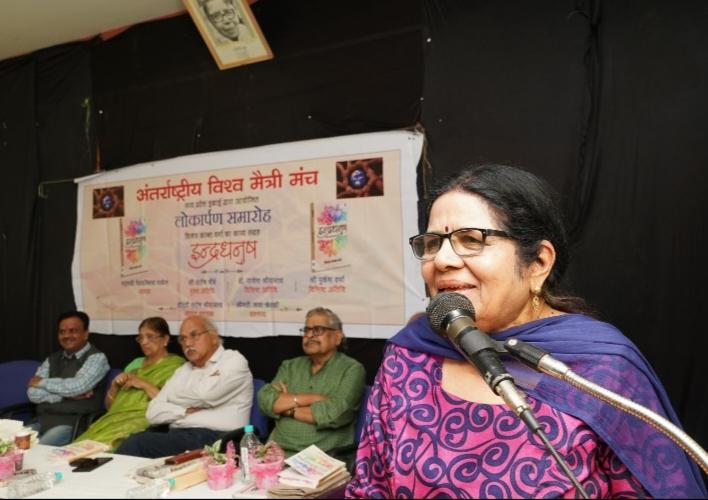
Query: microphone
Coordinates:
[452,315]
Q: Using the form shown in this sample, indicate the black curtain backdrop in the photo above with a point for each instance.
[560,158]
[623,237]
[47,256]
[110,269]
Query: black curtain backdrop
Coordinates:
[337,71]
[641,255]
[46,134]
[603,99]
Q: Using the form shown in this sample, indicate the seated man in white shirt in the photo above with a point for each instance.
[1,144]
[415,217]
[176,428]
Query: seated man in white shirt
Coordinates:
[204,398]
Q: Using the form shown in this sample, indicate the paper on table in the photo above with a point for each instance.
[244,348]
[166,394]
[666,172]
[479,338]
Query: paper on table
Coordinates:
[8,428]
[248,489]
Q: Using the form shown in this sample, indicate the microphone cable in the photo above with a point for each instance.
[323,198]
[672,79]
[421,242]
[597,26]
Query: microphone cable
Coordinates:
[533,425]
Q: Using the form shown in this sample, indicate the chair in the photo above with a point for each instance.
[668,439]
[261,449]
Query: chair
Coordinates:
[361,416]
[14,402]
[85,420]
[258,420]
[347,453]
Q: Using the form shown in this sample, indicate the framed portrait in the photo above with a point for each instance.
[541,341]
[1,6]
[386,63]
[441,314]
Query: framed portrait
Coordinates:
[230,31]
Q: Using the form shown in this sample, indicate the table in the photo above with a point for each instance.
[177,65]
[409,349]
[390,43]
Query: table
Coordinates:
[110,480]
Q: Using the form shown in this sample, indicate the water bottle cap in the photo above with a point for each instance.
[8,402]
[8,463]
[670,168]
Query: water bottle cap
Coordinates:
[171,482]
[248,428]
[58,476]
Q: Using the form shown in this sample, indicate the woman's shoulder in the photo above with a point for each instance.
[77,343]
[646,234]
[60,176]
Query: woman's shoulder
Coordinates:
[568,327]
[175,359]
[587,321]
[391,349]
[135,364]
[583,328]
[395,354]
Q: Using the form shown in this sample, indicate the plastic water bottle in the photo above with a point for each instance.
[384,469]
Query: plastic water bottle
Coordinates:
[248,446]
[26,486]
[158,488]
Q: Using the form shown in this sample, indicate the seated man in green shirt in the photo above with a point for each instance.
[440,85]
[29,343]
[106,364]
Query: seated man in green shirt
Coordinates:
[314,398]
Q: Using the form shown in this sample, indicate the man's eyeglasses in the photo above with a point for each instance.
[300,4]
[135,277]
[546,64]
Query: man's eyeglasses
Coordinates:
[146,338]
[193,336]
[317,331]
[465,241]
[219,16]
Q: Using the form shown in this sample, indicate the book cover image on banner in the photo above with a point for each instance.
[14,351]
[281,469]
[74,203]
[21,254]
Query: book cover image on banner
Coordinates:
[329,236]
[133,245]
[255,238]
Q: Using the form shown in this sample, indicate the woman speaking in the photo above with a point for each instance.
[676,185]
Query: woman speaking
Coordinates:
[435,429]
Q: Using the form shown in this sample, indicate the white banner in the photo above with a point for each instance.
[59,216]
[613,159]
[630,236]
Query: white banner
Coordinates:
[254,238]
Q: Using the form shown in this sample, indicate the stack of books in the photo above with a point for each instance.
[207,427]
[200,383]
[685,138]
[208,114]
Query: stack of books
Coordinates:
[77,450]
[187,469]
[311,472]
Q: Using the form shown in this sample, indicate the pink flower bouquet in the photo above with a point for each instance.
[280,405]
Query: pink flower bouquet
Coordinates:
[267,462]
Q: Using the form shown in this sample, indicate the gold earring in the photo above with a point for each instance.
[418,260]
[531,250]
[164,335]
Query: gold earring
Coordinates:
[536,301]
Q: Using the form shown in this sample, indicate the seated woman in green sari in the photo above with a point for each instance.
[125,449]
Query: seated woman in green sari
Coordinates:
[130,392]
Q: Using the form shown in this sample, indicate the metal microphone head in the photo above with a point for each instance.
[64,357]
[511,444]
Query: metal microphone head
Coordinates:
[445,307]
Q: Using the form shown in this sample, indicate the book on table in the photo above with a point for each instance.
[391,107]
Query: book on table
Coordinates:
[310,472]
[185,472]
[77,450]
[334,481]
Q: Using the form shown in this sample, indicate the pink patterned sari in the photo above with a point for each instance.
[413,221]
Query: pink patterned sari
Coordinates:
[422,442]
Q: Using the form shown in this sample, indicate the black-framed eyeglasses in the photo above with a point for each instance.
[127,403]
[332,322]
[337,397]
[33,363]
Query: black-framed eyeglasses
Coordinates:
[146,338]
[465,241]
[193,336]
[317,331]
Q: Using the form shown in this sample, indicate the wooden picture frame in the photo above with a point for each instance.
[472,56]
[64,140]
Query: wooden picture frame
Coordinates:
[230,31]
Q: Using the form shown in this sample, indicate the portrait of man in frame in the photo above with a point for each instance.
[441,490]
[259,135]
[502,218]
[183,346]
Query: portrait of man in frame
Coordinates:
[230,31]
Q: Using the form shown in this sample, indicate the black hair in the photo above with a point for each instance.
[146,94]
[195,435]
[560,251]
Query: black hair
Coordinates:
[74,314]
[157,324]
[527,208]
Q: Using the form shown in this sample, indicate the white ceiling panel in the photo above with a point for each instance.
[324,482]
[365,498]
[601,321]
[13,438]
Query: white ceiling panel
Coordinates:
[29,25]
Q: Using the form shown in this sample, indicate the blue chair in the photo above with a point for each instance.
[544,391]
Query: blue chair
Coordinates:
[112,373]
[14,402]
[361,416]
[85,420]
[347,453]
[260,422]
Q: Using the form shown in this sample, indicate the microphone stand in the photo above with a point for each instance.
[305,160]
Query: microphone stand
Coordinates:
[542,361]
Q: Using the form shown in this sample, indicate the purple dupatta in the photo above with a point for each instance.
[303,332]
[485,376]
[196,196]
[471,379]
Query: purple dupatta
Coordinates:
[598,352]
